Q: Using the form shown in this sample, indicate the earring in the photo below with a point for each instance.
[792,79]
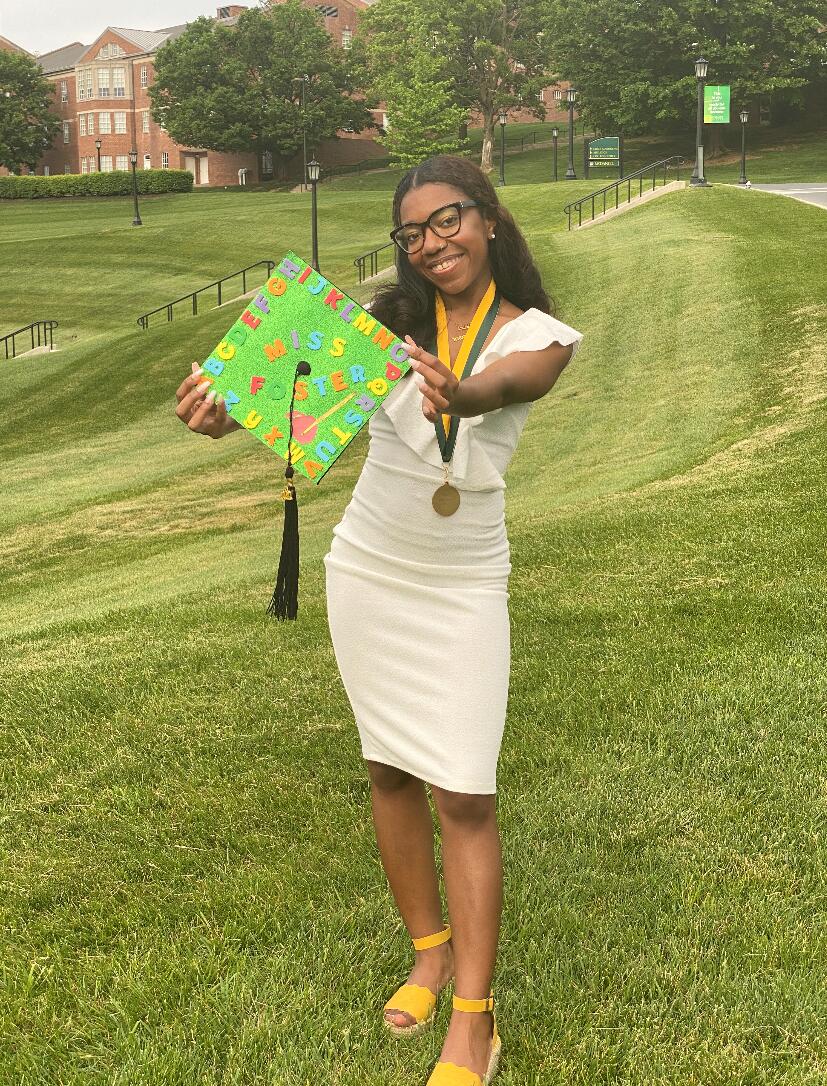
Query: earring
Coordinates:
[491,237]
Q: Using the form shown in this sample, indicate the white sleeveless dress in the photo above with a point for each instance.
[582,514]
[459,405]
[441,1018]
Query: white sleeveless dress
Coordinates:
[418,603]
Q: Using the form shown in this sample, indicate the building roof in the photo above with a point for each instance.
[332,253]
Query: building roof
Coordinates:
[149,40]
[13,47]
[63,58]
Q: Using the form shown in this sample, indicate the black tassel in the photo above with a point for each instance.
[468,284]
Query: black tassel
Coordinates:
[285,600]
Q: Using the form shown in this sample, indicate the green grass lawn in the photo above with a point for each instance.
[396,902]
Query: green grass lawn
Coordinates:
[192,892]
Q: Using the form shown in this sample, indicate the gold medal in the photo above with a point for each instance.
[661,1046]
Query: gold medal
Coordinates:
[446,500]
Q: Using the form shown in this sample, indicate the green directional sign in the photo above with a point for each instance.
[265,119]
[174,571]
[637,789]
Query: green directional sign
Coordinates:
[716,105]
[604,151]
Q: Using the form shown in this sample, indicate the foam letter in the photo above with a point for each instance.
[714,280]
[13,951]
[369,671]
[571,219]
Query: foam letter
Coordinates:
[357,373]
[237,335]
[333,298]
[365,402]
[399,352]
[383,338]
[274,350]
[305,275]
[345,312]
[378,386]
[252,420]
[364,325]
[343,437]
[314,341]
[294,336]
[271,437]
[393,373]
[225,350]
[301,390]
[288,268]
[353,418]
[275,391]
[250,320]
[230,399]
[256,384]
[318,289]
[214,366]
[338,348]
[260,302]
[337,382]
[312,467]
[321,385]
[276,286]
[325,450]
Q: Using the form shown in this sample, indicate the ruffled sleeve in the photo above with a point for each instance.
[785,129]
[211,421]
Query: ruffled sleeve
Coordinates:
[484,442]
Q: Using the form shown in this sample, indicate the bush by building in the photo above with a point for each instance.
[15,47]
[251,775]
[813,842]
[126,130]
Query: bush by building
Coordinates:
[114,183]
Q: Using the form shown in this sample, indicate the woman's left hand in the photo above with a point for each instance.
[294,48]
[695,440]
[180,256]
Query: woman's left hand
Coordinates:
[439,387]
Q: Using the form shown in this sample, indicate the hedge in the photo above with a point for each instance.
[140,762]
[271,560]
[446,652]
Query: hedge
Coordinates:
[115,183]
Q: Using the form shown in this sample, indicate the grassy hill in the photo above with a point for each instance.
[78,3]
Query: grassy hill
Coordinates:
[192,889]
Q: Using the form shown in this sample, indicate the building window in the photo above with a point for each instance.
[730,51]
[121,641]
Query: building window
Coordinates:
[89,78]
[64,91]
[267,163]
[144,76]
[67,168]
[347,38]
[104,123]
[65,131]
[147,162]
[90,124]
[328,10]
[164,160]
[120,123]
[119,82]
[82,124]
[103,82]
[145,121]
[122,162]
[540,97]
[106,164]
[83,166]
[46,171]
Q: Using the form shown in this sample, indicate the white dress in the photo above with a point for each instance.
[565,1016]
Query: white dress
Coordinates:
[418,603]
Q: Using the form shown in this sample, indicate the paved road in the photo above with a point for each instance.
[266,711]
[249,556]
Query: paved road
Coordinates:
[810,194]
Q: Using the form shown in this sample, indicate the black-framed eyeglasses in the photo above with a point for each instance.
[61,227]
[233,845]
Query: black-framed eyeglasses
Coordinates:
[444,222]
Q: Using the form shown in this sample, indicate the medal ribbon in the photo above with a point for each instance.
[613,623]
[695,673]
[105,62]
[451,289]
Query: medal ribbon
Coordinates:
[447,426]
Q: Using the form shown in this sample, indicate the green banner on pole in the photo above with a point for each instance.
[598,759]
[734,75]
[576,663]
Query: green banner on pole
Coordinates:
[716,105]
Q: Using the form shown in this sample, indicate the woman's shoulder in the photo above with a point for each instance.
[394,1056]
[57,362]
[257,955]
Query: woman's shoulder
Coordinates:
[532,330]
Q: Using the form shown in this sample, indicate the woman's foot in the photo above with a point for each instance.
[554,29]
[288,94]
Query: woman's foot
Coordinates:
[468,1040]
[432,969]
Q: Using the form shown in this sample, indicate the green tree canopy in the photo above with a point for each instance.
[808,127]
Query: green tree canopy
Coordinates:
[633,60]
[235,88]
[472,56]
[27,124]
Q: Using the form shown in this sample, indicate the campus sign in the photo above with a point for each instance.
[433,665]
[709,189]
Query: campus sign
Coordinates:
[603,151]
[716,105]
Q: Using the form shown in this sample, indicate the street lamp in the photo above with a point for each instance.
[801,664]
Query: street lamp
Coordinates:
[742,180]
[697,177]
[503,119]
[554,134]
[571,95]
[313,170]
[304,80]
[98,149]
[133,158]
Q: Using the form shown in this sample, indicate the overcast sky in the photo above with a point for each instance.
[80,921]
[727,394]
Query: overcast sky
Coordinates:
[43,25]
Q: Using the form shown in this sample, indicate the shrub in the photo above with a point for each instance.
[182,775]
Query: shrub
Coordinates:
[116,183]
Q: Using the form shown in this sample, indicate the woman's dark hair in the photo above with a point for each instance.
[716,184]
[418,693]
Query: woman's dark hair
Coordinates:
[407,306]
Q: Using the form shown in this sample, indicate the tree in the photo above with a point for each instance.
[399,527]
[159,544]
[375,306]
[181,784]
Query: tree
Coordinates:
[480,55]
[633,60]
[27,125]
[234,88]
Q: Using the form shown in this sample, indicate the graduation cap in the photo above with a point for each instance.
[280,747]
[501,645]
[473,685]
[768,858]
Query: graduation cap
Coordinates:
[303,369]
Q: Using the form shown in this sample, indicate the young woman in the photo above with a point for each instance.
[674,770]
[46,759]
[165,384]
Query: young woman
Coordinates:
[417,578]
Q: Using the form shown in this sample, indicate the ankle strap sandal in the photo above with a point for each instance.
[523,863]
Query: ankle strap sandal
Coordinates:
[451,1074]
[415,999]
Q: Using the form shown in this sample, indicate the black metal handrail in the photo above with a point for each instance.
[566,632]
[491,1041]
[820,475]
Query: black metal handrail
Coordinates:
[639,175]
[42,331]
[367,265]
[168,308]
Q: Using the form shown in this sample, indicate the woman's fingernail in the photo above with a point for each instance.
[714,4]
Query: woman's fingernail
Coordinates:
[196,369]
[210,397]
[219,400]
[203,386]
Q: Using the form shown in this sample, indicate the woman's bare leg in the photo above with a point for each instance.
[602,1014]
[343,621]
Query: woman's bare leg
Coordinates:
[472,866]
[405,835]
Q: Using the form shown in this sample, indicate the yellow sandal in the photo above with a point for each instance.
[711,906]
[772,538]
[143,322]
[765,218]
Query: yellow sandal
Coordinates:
[415,999]
[451,1074]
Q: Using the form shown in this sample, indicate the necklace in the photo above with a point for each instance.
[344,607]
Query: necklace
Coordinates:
[446,498]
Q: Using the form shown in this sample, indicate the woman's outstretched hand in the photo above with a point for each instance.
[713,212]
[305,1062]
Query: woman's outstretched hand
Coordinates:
[439,386]
[200,409]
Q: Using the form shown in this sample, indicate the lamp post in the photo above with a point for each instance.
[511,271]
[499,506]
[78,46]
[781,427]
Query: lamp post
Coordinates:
[313,170]
[742,180]
[133,158]
[304,80]
[571,95]
[502,147]
[98,149]
[554,134]
[697,177]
